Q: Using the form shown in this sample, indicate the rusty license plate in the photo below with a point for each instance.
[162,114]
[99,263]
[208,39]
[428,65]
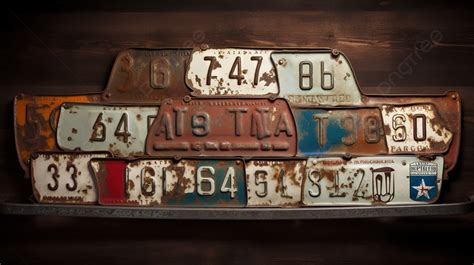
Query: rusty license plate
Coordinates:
[372,180]
[223,127]
[122,130]
[59,177]
[274,183]
[167,182]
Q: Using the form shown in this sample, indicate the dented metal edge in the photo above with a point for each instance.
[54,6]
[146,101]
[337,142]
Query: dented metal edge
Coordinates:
[353,212]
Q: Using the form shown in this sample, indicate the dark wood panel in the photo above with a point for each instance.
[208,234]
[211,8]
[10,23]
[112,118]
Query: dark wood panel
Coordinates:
[68,47]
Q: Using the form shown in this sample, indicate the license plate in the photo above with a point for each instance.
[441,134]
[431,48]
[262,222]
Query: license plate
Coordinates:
[274,183]
[64,177]
[232,72]
[321,77]
[340,131]
[166,182]
[223,127]
[147,75]
[372,180]
[415,129]
[35,123]
[121,130]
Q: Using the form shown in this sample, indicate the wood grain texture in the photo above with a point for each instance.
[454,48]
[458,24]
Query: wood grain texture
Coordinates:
[61,48]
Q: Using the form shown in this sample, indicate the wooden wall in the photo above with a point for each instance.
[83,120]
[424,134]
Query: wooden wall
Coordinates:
[53,47]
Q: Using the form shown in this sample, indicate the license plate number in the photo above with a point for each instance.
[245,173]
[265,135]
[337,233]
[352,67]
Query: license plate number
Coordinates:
[217,127]
[166,182]
[64,177]
[121,130]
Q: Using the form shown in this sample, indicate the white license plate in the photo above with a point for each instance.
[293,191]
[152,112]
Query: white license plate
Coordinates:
[121,130]
[415,128]
[232,72]
[372,180]
[64,177]
[274,183]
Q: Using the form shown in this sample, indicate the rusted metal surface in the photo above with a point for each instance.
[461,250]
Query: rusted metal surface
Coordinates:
[223,127]
[372,180]
[35,121]
[147,75]
[339,132]
[415,128]
[227,72]
[59,177]
[166,182]
[119,129]
[274,183]
[448,107]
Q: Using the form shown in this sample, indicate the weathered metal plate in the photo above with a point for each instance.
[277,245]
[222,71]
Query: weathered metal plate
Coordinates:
[320,77]
[121,130]
[64,177]
[274,183]
[165,182]
[35,120]
[223,127]
[415,129]
[372,180]
[231,72]
[147,75]
[339,132]
[448,111]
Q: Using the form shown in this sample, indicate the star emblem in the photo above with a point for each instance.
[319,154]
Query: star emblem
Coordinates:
[423,189]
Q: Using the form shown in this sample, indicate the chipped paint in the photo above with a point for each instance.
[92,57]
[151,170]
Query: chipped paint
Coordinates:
[223,127]
[215,72]
[274,183]
[415,128]
[166,182]
[119,129]
[64,177]
[316,77]
[371,180]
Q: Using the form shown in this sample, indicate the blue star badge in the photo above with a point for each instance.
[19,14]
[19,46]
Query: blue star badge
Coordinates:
[423,188]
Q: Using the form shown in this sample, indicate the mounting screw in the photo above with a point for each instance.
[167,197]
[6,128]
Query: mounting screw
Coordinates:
[34,155]
[335,52]
[281,61]
[347,156]
[204,46]
[20,96]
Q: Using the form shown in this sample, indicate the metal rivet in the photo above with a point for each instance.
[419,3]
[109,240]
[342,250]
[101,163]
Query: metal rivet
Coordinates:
[20,96]
[281,61]
[454,96]
[335,52]
[315,161]
[34,155]
[187,99]
[237,162]
[204,46]
[347,156]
